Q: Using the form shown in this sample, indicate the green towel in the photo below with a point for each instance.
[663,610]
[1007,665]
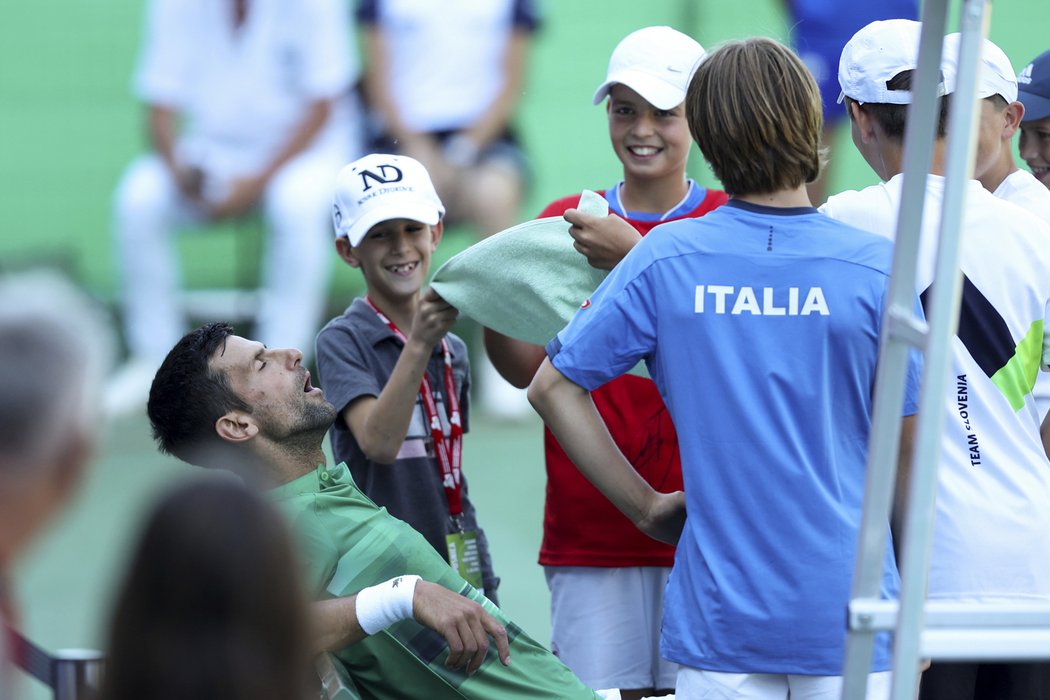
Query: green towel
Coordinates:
[526,282]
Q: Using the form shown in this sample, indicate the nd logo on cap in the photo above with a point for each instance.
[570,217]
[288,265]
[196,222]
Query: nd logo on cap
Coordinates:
[380,187]
[387,174]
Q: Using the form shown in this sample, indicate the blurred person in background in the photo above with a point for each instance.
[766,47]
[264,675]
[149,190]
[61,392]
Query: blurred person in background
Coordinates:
[819,29]
[211,606]
[249,107]
[55,347]
[1033,91]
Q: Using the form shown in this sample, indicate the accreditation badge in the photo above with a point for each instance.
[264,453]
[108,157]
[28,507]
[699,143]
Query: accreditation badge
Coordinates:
[464,557]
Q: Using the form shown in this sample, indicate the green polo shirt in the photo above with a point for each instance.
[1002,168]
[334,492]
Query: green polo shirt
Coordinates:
[348,543]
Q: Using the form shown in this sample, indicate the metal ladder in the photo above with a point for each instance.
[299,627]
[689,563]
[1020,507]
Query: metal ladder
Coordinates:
[921,630]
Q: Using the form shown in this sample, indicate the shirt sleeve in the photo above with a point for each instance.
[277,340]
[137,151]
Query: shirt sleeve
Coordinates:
[368,11]
[162,73]
[526,15]
[345,367]
[614,329]
[913,373]
[1046,339]
[318,554]
[329,66]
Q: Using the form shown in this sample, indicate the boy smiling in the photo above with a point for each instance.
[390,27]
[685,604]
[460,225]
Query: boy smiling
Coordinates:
[398,378]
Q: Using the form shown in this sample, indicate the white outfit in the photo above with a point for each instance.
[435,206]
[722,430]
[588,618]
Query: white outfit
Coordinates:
[620,607]
[446,58]
[697,683]
[1021,188]
[241,93]
[994,480]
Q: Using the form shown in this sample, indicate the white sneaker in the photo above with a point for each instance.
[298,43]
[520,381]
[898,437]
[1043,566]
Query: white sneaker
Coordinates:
[127,391]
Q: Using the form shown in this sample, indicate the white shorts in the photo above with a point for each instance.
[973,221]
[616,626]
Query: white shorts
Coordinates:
[697,684]
[605,624]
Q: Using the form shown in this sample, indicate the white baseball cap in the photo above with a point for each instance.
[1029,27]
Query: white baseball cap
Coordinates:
[380,187]
[996,74]
[876,54]
[655,62]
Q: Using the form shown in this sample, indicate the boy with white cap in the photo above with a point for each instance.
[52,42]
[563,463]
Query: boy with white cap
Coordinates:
[759,323]
[1033,91]
[606,577]
[1001,116]
[398,378]
[994,476]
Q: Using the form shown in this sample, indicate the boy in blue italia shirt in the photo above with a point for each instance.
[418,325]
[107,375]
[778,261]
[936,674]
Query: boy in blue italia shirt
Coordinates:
[760,326]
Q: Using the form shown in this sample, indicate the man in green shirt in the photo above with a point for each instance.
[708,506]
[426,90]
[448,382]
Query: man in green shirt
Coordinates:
[223,401]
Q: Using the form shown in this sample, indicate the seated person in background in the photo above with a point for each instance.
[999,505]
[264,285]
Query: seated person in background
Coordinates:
[223,401]
[249,107]
[450,106]
[211,607]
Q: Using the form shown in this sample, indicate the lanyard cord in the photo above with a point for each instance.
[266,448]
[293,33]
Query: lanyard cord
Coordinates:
[449,450]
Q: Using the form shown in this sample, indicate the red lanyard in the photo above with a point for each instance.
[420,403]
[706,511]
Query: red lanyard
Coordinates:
[449,449]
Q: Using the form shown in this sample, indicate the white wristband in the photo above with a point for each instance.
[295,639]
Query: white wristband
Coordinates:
[382,605]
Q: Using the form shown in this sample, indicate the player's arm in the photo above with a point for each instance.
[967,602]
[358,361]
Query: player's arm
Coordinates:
[245,192]
[900,495]
[380,423]
[377,90]
[463,623]
[603,240]
[163,125]
[515,360]
[569,411]
[1046,433]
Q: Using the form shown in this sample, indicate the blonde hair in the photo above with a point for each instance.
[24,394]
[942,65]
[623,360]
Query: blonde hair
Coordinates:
[755,111]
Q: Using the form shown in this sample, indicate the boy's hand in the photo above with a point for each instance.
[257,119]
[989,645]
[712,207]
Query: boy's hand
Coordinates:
[665,517]
[434,319]
[603,240]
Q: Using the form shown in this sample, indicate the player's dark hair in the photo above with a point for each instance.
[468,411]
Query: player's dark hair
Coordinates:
[211,606]
[188,397]
[755,112]
[893,118]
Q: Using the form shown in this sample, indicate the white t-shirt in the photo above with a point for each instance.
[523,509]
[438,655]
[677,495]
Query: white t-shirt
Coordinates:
[1021,188]
[446,59]
[243,91]
[990,540]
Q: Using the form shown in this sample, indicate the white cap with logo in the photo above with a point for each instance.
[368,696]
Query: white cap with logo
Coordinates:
[996,74]
[380,187]
[655,62]
[876,54]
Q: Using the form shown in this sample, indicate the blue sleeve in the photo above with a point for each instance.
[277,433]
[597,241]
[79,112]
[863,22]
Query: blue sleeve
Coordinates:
[526,15]
[368,11]
[614,329]
[913,376]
